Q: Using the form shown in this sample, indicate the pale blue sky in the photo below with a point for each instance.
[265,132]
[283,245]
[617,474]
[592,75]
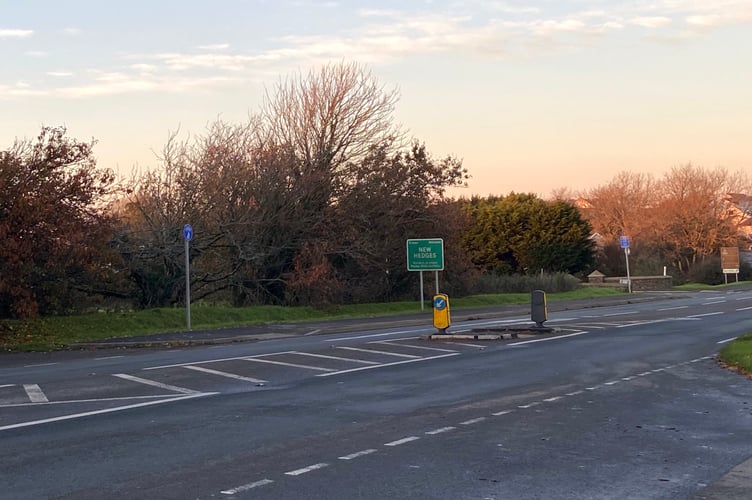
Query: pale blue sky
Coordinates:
[533,95]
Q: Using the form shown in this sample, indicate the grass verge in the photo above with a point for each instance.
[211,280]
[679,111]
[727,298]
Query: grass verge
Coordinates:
[53,333]
[738,355]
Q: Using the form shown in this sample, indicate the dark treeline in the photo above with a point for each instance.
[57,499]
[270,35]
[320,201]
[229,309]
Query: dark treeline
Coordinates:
[308,202]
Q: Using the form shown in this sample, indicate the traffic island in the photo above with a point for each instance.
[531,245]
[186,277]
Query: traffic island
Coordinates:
[506,333]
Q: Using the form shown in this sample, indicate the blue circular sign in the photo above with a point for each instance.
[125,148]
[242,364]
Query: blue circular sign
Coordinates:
[188,232]
[439,303]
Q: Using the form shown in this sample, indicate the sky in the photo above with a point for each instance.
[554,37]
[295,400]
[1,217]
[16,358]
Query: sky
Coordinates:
[533,96]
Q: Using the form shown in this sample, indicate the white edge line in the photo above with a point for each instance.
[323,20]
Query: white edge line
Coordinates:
[549,338]
[706,314]
[360,369]
[102,412]
[744,308]
[246,487]
[79,401]
[340,339]
[726,341]
[503,412]
[673,308]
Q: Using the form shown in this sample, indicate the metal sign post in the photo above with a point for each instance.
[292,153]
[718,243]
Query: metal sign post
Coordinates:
[187,236]
[624,242]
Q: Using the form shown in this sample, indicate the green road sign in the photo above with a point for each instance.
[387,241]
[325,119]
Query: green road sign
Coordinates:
[425,255]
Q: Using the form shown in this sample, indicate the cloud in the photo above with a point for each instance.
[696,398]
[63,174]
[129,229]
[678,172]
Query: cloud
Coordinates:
[651,22]
[216,46]
[15,33]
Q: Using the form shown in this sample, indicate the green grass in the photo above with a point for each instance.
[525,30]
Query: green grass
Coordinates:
[738,354]
[56,332]
[701,286]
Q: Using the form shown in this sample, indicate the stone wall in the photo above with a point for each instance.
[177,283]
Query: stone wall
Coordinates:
[639,283]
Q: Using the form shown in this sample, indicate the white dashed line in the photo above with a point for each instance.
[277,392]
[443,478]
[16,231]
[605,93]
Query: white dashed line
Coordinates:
[529,405]
[473,421]
[153,383]
[246,487]
[673,308]
[744,308]
[503,412]
[643,374]
[298,472]
[6,385]
[592,388]
[35,393]
[627,379]
[713,303]
[358,454]
[440,430]
[575,393]
[225,374]
[706,314]
[40,364]
[402,441]
[551,400]
[613,382]
[108,357]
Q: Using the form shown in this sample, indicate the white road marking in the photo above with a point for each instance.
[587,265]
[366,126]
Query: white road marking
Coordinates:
[101,412]
[713,303]
[479,346]
[246,487]
[744,308]
[312,332]
[473,421]
[592,388]
[225,374]
[40,364]
[373,351]
[340,339]
[613,382]
[358,454]
[555,320]
[547,339]
[291,365]
[620,313]
[6,385]
[529,405]
[310,468]
[77,401]
[108,357]
[153,383]
[643,374]
[35,393]
[503,412]
[575,393]
[673,308]
[218,360]
[390,343]
[551,400]
[339,358]
[440,430]
[706,314]
[627,379]
[388,364]
[402,441]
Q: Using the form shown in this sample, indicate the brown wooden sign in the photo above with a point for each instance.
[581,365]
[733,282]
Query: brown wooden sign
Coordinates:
[730,260]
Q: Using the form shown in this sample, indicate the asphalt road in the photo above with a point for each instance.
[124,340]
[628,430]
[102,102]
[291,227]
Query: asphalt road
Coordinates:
[623,401]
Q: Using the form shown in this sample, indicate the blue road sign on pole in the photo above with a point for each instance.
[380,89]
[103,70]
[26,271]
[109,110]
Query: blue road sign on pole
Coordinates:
[188,232]
[624,241]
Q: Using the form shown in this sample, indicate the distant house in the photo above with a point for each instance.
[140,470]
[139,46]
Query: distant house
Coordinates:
[739,210]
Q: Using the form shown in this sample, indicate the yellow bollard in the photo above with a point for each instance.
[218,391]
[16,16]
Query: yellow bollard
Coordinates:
[441,320]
